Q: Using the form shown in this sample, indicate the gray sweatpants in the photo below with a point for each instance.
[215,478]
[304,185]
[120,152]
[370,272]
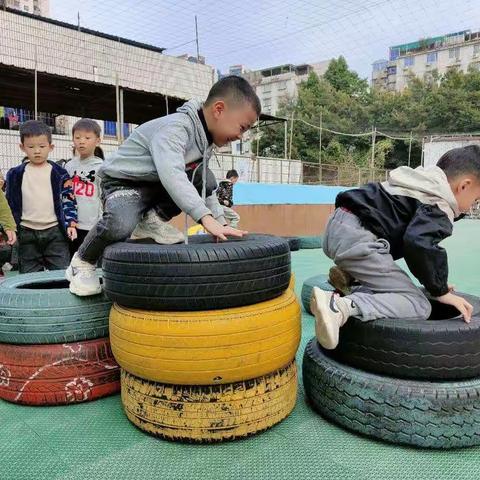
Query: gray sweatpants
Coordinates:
[385,290]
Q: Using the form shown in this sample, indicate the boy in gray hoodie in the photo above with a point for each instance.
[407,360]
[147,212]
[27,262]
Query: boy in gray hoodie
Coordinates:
[163,166]
[404,217]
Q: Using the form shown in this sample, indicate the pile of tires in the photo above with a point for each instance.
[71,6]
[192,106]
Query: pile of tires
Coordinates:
[206,335]
[407,381]
[54,346]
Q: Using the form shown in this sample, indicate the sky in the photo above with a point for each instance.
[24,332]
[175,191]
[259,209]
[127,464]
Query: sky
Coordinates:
[264,33]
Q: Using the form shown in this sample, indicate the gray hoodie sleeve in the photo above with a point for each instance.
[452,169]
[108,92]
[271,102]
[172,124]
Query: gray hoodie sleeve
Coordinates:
[168,153]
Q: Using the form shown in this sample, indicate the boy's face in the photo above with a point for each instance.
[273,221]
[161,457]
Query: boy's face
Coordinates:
[36,148]
[467,192]
[85,143]
[230,121]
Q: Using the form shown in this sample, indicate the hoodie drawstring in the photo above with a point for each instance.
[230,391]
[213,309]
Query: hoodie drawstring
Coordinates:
[204,189]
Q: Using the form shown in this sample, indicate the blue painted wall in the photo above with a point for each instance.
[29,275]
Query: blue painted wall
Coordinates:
[278,194]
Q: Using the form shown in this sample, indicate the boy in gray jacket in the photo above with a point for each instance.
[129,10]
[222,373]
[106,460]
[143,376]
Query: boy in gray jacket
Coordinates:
[163,166]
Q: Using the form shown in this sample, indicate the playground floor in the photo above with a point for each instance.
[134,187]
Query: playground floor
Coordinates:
[96,441]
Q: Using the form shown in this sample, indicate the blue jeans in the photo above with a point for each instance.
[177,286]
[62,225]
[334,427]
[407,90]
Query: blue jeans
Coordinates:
[124,204]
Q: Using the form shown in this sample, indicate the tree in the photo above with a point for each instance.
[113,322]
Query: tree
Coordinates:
[441,104]
[342,79]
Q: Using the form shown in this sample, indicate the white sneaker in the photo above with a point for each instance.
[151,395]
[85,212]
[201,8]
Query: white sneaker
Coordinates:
[151,226]
[82,277]
[329,317]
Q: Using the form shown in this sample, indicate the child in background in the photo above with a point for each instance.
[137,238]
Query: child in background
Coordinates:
[83,169]
[8,235]
[7,222]
[41,198]
[225,197]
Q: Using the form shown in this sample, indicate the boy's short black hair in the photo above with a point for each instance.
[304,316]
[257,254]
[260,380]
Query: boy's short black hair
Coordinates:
[87,125]
[461,161]
[234,88]
[34,128]
[232,174]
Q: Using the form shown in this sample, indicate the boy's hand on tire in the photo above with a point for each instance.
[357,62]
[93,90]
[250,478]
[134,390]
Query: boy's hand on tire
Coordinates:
[459,303]
[220,231]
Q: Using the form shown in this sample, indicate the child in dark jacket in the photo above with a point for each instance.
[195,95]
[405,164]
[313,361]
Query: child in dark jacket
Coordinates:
[41,198]
[404,217]
[225,198]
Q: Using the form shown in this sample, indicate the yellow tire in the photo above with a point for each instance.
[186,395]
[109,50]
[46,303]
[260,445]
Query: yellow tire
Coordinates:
[204,348]
[210,413]
[196,230]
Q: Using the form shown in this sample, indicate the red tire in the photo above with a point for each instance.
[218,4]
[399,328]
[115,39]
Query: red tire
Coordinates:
[58,374]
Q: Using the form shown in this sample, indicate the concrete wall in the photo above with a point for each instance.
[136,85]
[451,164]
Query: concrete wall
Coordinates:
[284,210]
[283,220]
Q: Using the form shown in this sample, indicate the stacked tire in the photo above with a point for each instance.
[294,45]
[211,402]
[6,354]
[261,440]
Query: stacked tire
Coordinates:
[408,381]
[206,335]
[54,346]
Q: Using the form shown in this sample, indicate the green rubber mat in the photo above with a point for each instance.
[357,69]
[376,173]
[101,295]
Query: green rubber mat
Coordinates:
[95,440]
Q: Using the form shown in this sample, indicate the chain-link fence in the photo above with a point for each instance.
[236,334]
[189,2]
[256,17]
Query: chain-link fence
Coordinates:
[344,175]
[249,167]
[282,170]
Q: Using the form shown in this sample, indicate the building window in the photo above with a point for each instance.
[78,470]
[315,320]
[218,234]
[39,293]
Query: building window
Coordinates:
[432,57]
[25,7]
[16,4]
[454,53]
[476,49]
[110,128]
[379,66]
[392,70]
[408,61]
[282,86]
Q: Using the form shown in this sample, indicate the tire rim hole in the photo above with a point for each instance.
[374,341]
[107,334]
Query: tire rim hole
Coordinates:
[441,311]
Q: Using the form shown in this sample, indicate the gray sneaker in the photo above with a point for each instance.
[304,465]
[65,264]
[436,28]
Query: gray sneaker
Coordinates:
[82,277]
[151,226]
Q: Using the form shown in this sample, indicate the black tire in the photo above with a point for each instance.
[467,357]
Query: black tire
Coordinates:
[443,348]
[38,308]
[320,281]
[202,275]
[293,243]
[423,414]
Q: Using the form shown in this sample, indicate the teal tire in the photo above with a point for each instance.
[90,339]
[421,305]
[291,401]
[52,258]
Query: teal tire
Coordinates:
[423,414]
[310,242]
[320,281]
[38,308]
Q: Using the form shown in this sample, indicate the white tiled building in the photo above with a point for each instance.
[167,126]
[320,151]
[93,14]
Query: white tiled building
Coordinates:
[278,84]
[37,7]
[421,59]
